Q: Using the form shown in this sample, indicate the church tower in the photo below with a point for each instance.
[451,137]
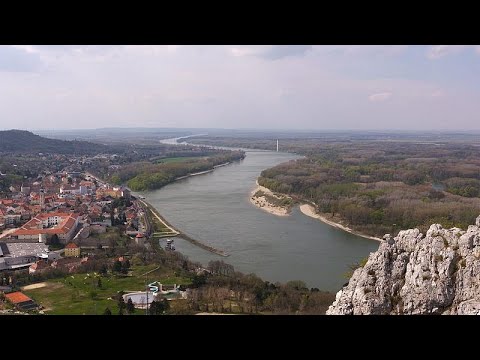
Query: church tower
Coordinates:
[42,199]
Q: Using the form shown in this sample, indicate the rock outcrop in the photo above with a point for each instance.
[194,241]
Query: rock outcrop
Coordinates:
[438,273]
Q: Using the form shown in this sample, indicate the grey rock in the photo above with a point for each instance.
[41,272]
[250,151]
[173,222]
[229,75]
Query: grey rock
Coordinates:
[438,273]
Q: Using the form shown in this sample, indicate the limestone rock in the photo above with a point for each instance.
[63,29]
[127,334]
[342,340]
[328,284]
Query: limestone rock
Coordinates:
[438,273]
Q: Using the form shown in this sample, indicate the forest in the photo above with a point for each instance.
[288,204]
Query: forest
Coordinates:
[378,187]
[149,175]
[25,156]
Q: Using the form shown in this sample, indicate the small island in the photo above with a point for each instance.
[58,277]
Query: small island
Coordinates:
[274,203]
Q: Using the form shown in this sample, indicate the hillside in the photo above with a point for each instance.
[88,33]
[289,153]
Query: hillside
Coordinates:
[436,273]
[20,141]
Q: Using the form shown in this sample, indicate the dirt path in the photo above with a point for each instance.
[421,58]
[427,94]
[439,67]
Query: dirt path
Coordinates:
[147,206]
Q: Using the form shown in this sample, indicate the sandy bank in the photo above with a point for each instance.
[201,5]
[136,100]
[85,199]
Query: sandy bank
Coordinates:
[309,210]
[262,203]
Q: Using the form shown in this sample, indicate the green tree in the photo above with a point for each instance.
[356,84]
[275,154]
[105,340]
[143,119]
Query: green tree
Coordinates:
[199,280]
[99,283]
[166,305]
[117,266]
[125,266]
[156,308]
[54,240]
[121,305]
[103,270]
[130,306]
[107,311]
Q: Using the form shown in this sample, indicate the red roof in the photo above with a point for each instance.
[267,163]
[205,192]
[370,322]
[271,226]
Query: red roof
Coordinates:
[71,246]
[32,227]
[39,265]
[17,297]
[139,235]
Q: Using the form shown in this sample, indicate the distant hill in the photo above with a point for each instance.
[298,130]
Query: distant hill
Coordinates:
[20,141]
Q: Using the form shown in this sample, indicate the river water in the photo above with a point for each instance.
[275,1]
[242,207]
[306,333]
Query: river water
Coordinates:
[215,209]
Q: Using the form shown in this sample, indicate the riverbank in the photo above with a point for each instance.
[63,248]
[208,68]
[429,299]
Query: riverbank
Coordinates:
[309,210]
[194,174]
[176,232]
[262,202]
[202,172]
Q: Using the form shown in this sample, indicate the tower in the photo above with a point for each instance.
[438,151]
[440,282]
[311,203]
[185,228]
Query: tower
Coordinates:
[277,145]
[42,199]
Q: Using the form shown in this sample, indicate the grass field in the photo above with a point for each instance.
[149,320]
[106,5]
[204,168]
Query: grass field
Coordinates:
[79,294]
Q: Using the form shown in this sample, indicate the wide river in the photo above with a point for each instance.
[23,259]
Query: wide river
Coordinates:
[215,209]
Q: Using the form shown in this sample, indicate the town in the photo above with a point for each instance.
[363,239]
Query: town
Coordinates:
[57,221]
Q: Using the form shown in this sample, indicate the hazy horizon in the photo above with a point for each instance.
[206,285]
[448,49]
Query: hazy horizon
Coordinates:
[266,88]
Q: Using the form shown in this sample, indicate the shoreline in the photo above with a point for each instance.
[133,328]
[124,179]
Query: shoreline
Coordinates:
[155,212]
[262,203]
[182,235]
[193,174]
[175,231]
[201,172]
[309,210]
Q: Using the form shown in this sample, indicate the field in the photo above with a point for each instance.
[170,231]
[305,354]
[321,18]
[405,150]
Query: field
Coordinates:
[79,294]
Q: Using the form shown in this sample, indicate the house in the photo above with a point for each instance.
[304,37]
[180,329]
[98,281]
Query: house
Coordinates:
[73,189]
[62,224]
[72,249]
[21,255]
[115,192]
[67,264]
[21,301]
[140,239]
[39,267]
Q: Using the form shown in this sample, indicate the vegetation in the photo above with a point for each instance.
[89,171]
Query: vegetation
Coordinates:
[378,187]
[276,199]
[26,142]
[147,175]
[218,289]
[26,157]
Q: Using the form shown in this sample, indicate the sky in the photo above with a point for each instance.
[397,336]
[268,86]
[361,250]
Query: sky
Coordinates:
[348,87]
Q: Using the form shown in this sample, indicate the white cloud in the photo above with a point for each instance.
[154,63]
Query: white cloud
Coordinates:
[438,93]
[361,49]
[438,51]
[27,48]
[380,96]
[232,86]
[243,51]
[173,48]
[271,52]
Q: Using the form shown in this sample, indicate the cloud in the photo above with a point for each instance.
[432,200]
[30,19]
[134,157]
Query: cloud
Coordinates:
[270,52]
[15,59]
[438,51]
[27,48]
[380,97]
[438,93]
[361,49]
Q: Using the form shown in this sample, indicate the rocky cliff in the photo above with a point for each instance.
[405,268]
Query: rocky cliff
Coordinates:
[436,273]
